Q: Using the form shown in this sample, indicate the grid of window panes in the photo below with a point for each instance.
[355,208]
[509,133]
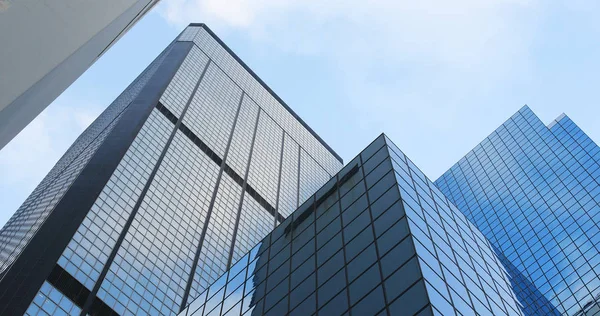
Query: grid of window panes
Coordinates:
[579,145]
[319,161]
[89,249]
[266,152]
[288,191]
[213,109]
[253,225]
[183,83]
[263,97]
[32,213]
[310,176]
[350,248]
[533,191]
[214,251]
[241,141]
[50,301]
[182,227]
[270,173]
[463,274]
[584,159]
[150,271]
[85,256]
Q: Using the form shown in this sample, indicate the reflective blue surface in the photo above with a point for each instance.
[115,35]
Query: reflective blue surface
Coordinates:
[533,191]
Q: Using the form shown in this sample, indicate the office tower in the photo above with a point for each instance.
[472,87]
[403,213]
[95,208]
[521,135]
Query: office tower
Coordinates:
[192,165]
[46,45]
[533,192]
[377,239]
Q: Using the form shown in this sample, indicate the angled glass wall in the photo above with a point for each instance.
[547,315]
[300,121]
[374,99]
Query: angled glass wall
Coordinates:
[533,190]
[377,239]
[182,175]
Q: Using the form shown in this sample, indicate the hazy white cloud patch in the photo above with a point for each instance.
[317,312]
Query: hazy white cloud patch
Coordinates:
[442,69]
[462,31]
[30,156]
[387,51]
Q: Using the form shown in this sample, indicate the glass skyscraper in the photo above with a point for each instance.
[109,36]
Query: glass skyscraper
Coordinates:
[379,238]
[530,190]
[533,191]
[190,167]
[198,191]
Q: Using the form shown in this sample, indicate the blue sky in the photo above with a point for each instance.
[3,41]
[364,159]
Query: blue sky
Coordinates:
[436,76]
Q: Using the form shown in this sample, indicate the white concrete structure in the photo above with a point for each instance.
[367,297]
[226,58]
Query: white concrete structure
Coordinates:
[46,45]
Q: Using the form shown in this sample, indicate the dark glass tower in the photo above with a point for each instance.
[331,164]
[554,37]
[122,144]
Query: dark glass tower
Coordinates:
[533,191]
[378,239]
[192,165]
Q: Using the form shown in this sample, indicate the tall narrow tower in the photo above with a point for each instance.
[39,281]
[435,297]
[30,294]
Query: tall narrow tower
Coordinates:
[192,165]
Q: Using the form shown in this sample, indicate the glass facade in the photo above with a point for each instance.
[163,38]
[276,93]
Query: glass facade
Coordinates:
[19,229]
[533,191]
[202,179]
[379,238]
[198,191]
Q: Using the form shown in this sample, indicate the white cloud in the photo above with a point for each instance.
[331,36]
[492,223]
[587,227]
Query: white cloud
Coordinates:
[454,31]
[47,137]
[437,76]
[411,60]
[31,154]
[471,38]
